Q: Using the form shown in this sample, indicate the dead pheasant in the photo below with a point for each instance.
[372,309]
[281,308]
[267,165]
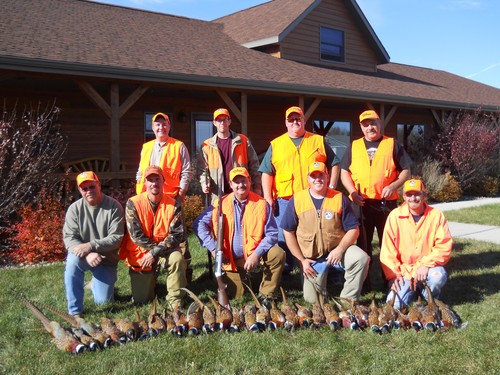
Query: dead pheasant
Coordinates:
[373,315]
[209,319]
[277,317]
[448,317]
[305,316]
[331,315]
[62,338]
[429,312]
[291,317]
[142,326]
[347,318]
[223,316]
[250,312]
[127,327]
[168,319]
[238,319]
[109,328]
[194,319]
[415,314]
[318,315]
[262,315]
[78,323]
[156,323]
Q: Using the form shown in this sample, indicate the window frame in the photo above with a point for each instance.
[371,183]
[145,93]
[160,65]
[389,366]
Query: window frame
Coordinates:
[323,54]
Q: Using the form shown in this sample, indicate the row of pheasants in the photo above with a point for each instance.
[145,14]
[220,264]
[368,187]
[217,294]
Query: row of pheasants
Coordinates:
[85,336]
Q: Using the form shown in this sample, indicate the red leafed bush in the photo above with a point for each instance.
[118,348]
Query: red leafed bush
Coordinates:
[38,236]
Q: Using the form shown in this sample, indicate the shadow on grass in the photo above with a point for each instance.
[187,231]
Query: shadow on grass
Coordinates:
[470,288]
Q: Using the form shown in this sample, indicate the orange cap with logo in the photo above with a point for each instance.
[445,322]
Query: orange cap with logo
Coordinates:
[153,169]
[368,115]
[413,185]
[86,176]
[221,111]
[294,110]
[160,114]
[238,171]
[317,166]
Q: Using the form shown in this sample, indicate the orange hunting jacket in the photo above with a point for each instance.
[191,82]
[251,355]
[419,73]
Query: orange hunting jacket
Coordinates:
[253,226]
[291,162]
[373,178]
[407,245]
[170,163]
[155,226]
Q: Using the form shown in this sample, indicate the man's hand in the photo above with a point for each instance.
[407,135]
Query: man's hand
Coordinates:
[94,259]
[397,283]
[147,260]
[357,198]
[251,262]
[387,191]
[307,269]
[421,274]
[335,256]
[82,250]
[182,194]
[271,203]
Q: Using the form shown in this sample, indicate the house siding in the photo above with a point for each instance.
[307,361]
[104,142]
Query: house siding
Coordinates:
[302,44]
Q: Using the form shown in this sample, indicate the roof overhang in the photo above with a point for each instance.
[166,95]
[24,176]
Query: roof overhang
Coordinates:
[76,70]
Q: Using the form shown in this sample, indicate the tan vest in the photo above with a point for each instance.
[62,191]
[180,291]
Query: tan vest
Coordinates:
[317,235]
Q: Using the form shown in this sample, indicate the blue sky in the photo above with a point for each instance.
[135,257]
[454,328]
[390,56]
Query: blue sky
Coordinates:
[459,36]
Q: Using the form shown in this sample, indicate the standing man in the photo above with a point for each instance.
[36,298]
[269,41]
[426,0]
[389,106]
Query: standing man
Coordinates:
[250,237]
[417,244]
[320,230]
[223,152]
[284,167]
[172,156]
[155,230]
[380,166]
[92,234]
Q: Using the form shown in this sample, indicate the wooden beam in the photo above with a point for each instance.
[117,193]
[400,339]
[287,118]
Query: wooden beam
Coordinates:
[312,108]
[391,113]
[115,128]
[94,96]
[132,99]
[244,113]
[436,117]
[229,102]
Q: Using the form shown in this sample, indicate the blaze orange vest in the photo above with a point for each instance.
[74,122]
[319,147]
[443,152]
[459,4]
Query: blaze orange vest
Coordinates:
[291,162]
[170,163]
[382,171]
[253,226]
[154,225]
[317,235]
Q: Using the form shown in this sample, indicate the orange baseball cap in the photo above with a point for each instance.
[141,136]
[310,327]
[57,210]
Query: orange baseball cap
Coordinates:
[153,169]
[160,114]
[238,171]
[221,111]
[317,166]
[86,176]
[368,115]
[413,185]
[294,110]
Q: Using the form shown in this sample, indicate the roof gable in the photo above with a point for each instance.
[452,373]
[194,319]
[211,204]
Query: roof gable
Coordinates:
[271,22]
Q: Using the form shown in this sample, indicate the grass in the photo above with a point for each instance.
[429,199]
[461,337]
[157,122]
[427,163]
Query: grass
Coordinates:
[485,215]
[473,291]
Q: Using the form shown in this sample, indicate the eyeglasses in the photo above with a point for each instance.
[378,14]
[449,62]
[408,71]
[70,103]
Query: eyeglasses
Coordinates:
[291,120]
[220,120]
[90,187]
[366,124]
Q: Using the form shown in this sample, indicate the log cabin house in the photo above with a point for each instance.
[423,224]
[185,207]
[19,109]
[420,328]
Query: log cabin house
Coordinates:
[109,68]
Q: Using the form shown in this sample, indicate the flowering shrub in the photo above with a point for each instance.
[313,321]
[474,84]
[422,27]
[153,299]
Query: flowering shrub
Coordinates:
[193,207]
[38,235]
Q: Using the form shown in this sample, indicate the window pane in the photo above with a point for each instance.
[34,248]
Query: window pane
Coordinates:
[332,44]
[204,130]
[337,134]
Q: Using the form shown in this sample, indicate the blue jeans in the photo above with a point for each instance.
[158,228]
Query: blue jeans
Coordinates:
[279,212]
[436,278]
[103,282]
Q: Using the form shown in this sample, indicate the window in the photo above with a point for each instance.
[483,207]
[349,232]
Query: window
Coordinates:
[411,136]
[148,125]
[337,134]
[332,44]
[203,129]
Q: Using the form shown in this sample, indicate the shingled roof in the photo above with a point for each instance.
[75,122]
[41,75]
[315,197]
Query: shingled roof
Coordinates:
[88,39]
[270,22]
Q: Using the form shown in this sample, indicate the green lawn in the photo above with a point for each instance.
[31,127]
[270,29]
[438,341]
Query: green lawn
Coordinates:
[486,215]
[473,291]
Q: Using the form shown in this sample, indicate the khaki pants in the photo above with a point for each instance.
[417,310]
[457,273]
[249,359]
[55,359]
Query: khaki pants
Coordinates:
[273,262]
[355,264]
[143,283]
